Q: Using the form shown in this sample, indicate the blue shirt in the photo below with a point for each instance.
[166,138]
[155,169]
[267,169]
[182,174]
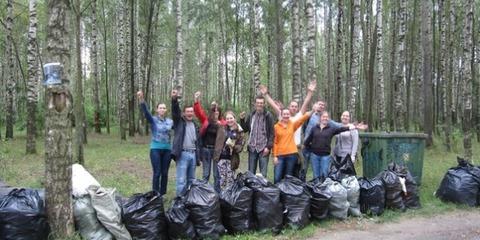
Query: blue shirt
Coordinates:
[161,128]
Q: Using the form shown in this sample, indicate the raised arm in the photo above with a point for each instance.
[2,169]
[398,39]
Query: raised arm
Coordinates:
[176,112]
[311,88]
[270,101]
[197,108]
[144,107]
[299,122]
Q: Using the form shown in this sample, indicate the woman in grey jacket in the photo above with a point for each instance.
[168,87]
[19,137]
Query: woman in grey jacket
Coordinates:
[346,142]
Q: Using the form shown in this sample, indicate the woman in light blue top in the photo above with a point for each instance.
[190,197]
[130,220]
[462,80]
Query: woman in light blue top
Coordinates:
[160,146]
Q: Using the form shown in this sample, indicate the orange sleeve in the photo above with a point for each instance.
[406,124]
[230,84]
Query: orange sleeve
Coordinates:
[199,113]
[300,121]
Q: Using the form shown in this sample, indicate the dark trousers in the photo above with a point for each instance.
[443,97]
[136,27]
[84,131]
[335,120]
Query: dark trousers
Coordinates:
[160,159]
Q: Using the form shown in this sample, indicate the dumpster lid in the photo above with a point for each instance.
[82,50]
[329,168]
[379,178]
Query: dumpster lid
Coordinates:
[393,135]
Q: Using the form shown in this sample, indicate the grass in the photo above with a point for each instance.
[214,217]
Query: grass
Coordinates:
[125,165]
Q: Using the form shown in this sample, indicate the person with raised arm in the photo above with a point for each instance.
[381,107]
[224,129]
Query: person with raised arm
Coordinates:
[346,143]
[160,145]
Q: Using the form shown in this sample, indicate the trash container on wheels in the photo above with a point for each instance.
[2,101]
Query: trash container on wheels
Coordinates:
[379,149]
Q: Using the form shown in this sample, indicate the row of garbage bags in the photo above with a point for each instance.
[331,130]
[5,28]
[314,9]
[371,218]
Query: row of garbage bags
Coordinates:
[250,203]
[461,184]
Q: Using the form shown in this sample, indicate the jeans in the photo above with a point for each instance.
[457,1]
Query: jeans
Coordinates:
[160,159]
[320,165]
[207,165]
[307,158]
[185,170]
[285,166]
[253,159]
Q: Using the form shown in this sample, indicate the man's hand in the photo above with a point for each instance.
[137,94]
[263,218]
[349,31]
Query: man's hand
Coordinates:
[266,151]
[312,86]
[197,96]
[275,161]
[174,94]
[263,89]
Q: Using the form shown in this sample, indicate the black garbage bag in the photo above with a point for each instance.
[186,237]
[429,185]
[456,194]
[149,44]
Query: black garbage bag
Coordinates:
[5,190]
[22,216]
[203,203]
[393,190]
[237,206]
[319,200]
[341,168]
[372,196]
[267,207]
[411,198]
[179,226]
[296,201]
[86,221]
[338,204]
[460,184]
[144,217]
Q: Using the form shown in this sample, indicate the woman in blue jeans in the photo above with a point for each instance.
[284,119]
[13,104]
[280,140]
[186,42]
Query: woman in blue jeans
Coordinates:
[319,141]
[160,146]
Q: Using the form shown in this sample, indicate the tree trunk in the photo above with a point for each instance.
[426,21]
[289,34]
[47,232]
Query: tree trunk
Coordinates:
[58,139]
[96,97]
[256,45]
[442,74]
[32,84]
[399,85]
[9,111]
[78,103]
[310,17]
[380,73]
[105,55]
[296,52]
[393,63]
[427,70]
[279,47]
[122,73]
[449,76]
[467,77]
[339,51]
[354,61]
[131,95]
[329,89]
[178,80]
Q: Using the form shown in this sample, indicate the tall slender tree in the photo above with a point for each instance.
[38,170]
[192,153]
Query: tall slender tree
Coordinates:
[105,57]
[32,84]
[339,51]
[122,69]
[256,50]
[279,47]
[399,84]
[311,30]
[380,74]
[354,60]
[9,111]
[96,97]
[467,77]
[132,72]
[179,47]
[58,139]
[296,52]
[427,48]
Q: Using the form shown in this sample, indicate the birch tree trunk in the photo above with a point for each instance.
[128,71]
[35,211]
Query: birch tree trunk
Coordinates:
[32,84]
[279,47]
[467,77]
[449,76]
[96,97]
[58,139]
[310,17]
[399,84]
[354,61]
[256,51]
[339,51]
[105,54]
[122,71]
[296,55]
[178,80]
[380,74]
[9,121]
[442,73]
[79,102]
[427,69]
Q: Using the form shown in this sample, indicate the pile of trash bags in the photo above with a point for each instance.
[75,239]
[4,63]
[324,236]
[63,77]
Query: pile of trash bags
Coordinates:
[461,184]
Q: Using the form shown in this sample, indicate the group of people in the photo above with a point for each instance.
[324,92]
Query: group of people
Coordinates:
[216,142]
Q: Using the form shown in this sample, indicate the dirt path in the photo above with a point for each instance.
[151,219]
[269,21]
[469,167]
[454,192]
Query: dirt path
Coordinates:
[461,224]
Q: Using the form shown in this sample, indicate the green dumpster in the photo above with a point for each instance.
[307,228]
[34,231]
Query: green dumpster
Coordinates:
[380,149]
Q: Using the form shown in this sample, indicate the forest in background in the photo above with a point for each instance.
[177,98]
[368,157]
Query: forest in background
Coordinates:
[397,65]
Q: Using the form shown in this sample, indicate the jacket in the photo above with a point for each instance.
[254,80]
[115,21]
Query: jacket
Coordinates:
[237,149]
[203,118]
[269,122]
[179,125]
[319,140]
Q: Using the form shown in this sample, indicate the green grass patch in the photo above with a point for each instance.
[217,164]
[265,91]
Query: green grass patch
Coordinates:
[125,165]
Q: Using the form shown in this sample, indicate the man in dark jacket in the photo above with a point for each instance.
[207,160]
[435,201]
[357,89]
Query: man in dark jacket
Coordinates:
[259,124]
[185,148]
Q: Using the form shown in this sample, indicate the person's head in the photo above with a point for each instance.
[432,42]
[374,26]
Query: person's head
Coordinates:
[321,106]
[230,119]
[293,107]
[259,104]
[345,117]
[214,113]
[161,109]
[285,113]
[324,118]
[188,112]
